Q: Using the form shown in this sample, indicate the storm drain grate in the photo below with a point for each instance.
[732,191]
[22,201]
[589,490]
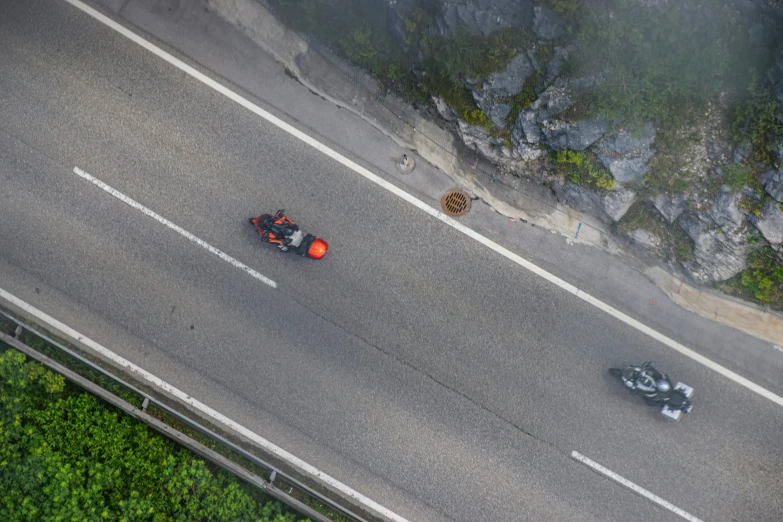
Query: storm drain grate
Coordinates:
[455,202]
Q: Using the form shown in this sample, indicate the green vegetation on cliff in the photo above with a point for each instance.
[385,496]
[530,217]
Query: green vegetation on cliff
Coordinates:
[762,281]
[357,29]
[689,68]
[582,169]
[657,62]
[759,120]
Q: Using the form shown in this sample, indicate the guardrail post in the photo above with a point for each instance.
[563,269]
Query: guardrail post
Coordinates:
[18,332]
[145,404]
[272,477]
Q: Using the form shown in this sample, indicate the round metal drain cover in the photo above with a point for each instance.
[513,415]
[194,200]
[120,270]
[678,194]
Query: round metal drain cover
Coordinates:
[455,202]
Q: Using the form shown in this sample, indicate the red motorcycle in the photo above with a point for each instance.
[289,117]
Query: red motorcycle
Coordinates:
[283,232]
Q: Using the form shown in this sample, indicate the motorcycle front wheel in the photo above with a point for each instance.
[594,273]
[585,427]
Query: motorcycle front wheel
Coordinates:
[615,372]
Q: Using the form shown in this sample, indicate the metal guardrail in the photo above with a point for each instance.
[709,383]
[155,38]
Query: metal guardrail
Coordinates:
[274,472]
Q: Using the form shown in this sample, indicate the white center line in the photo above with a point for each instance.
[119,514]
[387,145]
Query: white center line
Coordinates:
[630,485]
[160,219]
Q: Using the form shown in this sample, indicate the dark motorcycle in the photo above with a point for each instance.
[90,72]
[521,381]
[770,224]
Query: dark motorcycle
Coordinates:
[656,389]
[283,232]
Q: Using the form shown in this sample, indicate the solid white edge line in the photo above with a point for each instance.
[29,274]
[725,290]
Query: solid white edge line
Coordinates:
[179,230]
[184,397]
[423,206]
[630,485]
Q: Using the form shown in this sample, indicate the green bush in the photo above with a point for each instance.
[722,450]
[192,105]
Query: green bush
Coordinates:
[738,175]
[644,215]
[752,205]
[57,355]
[657,62]
[759,119]
[453,60]
[565,8]
[359,47]
[65,455]
[438,82]
[418,24]
[473,56]
[581,169]
[762,281]
[524,98]
[501,133]
[475,117]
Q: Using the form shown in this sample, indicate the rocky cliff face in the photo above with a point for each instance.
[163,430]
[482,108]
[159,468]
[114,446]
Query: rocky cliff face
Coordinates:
[715,214]
[482,16]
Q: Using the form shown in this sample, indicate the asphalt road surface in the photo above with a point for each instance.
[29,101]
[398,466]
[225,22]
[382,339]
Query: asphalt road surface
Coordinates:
[413,364]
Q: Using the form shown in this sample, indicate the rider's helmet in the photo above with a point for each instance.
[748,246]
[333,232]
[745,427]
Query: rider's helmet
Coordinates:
[318,249]
[646,383]
[663,386]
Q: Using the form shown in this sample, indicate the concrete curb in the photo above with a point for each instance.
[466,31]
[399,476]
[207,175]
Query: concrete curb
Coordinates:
[764,325]
[443,150]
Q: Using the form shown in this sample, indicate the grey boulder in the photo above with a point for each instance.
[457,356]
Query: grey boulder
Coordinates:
[478,138]
[581,199]
[509,82]
[443,109]
[526,152]
[773,184]
[497,112]
[626,154]
[482,16]
[608,208]
[719,239]
[770,222]
[726,210]
[498,87]
[547,24]
[670,207]
[579,135]
[618,201]
[526,129]
[555,65]
[742,152]
[552,101]
[645,239]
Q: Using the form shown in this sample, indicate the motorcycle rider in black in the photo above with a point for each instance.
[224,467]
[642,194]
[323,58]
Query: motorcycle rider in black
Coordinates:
[651,384]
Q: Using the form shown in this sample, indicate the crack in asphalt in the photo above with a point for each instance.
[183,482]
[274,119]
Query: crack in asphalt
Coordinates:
[430,376]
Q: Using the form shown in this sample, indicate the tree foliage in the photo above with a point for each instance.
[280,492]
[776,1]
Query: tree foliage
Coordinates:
[66,456]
